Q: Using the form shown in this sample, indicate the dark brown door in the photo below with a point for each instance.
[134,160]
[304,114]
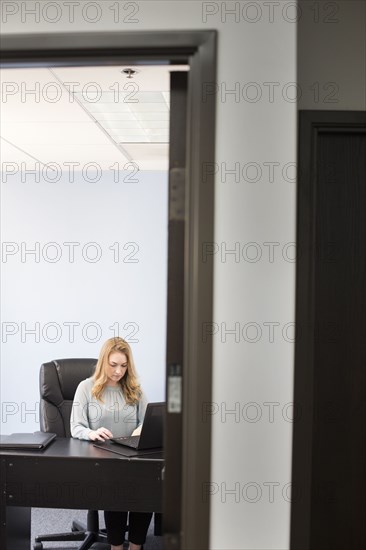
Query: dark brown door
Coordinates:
[329,461]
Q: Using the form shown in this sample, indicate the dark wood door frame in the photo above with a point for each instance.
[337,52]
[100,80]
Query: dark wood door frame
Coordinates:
[307,402]
[198,49]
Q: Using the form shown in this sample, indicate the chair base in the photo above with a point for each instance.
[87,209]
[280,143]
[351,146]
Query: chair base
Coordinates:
[78,533]
[94,546]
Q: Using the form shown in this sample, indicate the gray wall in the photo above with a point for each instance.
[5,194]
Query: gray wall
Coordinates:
[332,55]
[60,300]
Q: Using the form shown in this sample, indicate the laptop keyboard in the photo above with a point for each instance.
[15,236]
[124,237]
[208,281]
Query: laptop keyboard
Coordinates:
[132,440]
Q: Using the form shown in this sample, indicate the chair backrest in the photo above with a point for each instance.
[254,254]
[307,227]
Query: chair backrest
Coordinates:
[58,381]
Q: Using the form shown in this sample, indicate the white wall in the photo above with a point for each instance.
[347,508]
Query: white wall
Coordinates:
[259,47]
[64,300]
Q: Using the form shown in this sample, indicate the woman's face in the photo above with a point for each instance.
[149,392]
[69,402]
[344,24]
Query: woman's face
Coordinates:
[116,367]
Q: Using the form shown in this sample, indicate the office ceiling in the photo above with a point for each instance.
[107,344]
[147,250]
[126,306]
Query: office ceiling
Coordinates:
[86,115]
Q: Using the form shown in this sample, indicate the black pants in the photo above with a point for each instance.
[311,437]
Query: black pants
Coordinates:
[116,522]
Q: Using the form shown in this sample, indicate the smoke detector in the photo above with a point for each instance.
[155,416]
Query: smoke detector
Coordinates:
[129,72]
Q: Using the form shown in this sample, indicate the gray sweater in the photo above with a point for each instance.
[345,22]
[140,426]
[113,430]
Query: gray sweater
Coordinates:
[113,413]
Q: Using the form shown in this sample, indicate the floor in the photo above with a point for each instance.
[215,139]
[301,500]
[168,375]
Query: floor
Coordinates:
[46,521]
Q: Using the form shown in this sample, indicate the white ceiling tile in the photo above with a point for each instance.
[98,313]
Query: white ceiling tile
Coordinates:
[158,139]
[161,124]
[148,107]
[121,97]
[123,139]
[150,97]
[121,124]
[114,117]
[56,133]
[11,154]
[150,151]
[104,156]
[157,132]
[14,109]
[166,96]
[107,107]
[152,116]
[127,133]
[42,117]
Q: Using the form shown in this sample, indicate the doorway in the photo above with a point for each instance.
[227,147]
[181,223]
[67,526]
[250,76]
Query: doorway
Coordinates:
[191,201]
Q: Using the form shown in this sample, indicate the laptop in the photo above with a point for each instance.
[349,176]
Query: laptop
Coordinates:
[151,436]
[149,442]
[32,441]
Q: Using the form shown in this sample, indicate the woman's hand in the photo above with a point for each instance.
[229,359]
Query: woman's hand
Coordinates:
[101,434]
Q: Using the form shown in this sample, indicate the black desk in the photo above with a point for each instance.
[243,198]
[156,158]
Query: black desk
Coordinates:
[73,474]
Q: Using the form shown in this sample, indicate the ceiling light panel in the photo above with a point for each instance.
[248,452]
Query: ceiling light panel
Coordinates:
[120,125]
[160,124]
[163,115]
[149,107]
[132,96]
[106,107]
[128,117]
[105,117]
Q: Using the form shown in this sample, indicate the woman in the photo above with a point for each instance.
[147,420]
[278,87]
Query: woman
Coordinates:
[112,404]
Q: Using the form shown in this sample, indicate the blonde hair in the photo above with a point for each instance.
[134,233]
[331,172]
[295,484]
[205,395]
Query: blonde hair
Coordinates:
[130,386]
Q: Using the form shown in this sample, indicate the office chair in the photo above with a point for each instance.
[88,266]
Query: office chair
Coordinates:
[58,382]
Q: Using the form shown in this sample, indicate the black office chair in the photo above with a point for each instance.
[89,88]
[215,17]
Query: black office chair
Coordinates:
[58,382]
